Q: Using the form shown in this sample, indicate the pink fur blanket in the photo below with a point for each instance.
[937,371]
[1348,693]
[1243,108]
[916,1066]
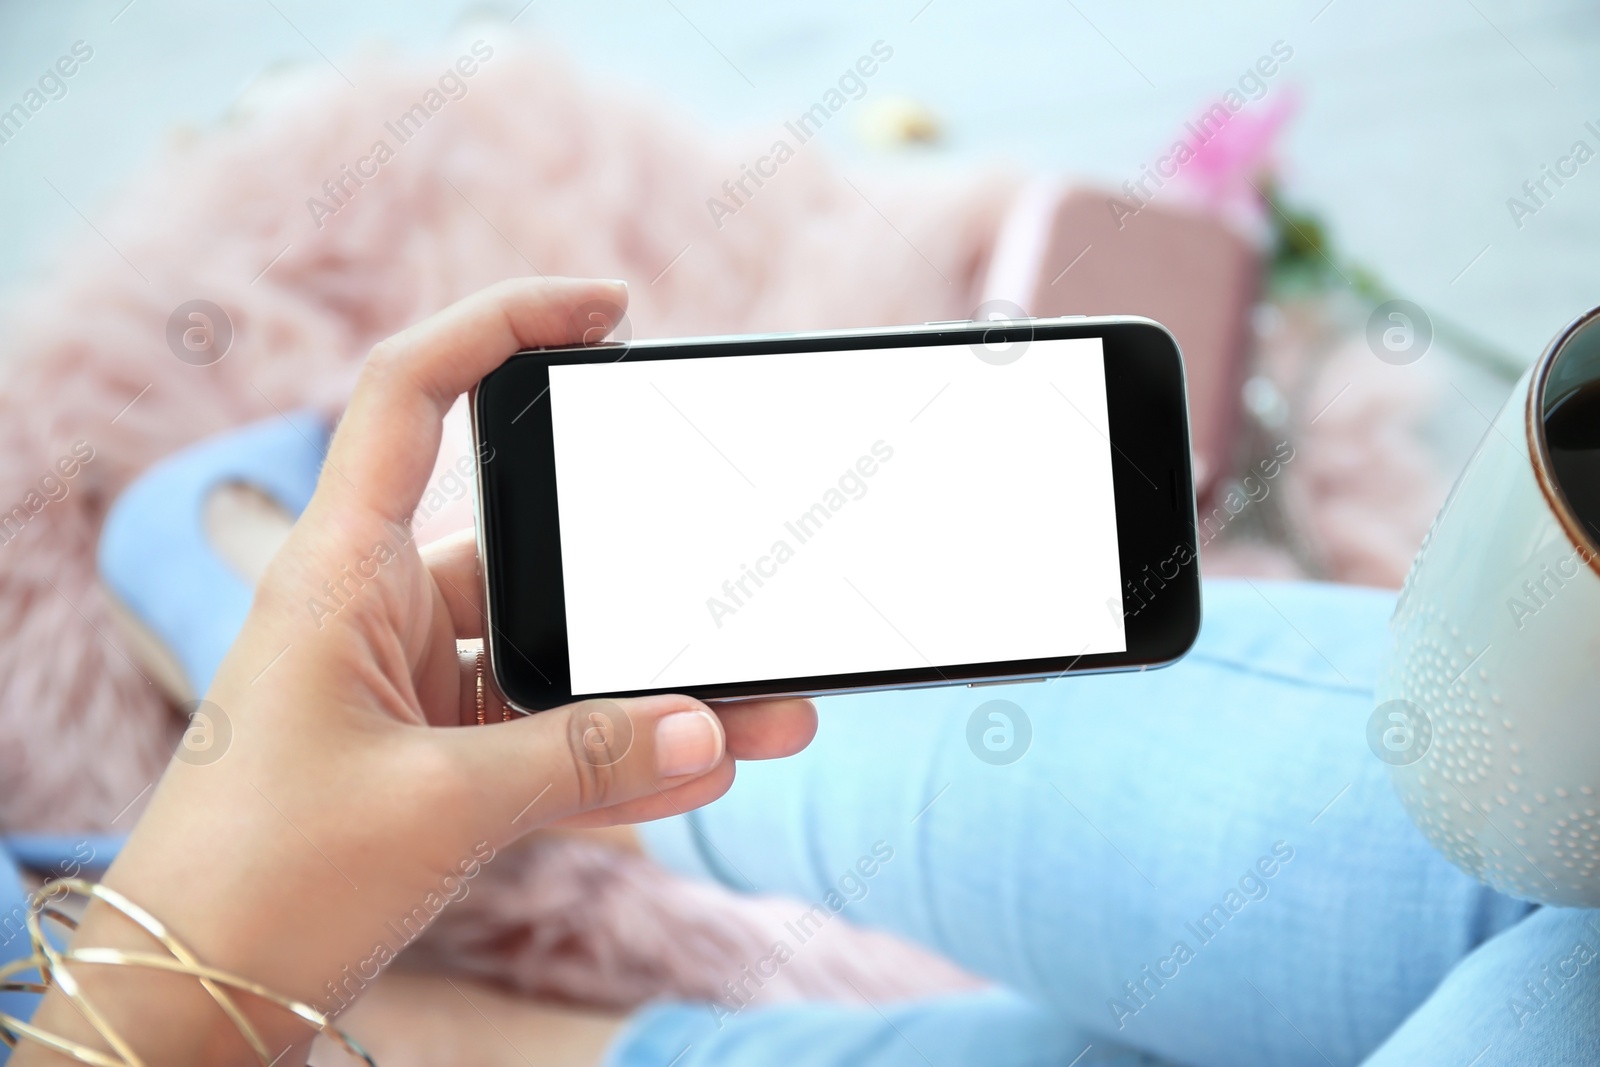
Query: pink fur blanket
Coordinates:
[528,171]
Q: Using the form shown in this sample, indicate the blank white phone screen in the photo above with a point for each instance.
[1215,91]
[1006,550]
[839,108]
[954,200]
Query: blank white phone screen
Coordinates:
[755,518]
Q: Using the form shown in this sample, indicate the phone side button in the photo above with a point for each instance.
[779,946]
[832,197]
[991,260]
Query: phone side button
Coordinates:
[947,322]
[1004,681]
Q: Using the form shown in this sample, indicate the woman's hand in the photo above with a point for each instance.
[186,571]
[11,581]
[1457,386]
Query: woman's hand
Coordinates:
[353,796]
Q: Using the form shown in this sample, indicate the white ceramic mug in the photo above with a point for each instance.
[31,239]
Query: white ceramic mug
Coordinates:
[1488,701]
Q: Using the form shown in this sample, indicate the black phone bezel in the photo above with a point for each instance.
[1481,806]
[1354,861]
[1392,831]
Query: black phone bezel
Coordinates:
[1152,480]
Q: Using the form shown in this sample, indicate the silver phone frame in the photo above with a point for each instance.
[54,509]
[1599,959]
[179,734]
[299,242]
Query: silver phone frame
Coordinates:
[492,675]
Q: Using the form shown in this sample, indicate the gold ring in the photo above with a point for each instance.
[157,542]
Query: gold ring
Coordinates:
[483,718]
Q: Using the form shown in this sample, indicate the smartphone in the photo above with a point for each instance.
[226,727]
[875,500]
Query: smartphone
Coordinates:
[811,513]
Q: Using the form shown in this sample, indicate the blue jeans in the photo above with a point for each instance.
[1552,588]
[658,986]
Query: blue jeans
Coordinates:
[1203,865]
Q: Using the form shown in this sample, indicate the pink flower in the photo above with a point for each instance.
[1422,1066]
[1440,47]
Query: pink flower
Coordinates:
[1229,164]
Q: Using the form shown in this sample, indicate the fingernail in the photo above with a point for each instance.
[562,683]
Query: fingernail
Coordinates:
[687,742]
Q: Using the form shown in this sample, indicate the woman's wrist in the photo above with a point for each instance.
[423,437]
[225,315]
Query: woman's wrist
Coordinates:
[160,1016]
[224,869]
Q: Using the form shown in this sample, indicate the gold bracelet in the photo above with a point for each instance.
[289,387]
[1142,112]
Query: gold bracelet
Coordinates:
[50,964]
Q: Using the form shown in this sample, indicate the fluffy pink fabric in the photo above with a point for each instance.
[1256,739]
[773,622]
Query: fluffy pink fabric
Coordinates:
[530,171]
[573,920]
[1367,476]
[1370,483]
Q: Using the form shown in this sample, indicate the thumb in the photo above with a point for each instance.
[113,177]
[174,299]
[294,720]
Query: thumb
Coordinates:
[595,754]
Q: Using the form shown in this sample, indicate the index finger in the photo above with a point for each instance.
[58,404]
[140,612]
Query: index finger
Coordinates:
[384,449]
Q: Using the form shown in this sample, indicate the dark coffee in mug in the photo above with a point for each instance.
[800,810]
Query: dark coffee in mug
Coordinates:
[1571,413]
[1572,428]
